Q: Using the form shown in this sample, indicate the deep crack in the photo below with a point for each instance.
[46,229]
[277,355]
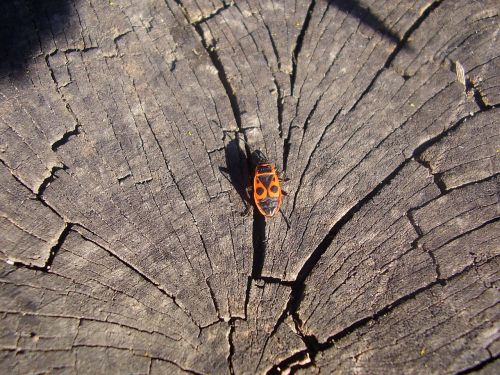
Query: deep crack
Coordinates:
[66,137]
[231,346]
[214,57]
[48,180]
[53,252]
[298,45]
[259,243]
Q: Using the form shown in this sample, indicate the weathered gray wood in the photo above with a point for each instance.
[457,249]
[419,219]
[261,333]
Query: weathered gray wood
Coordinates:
[131,163]
[468,154]
[463,32]
[446,329]
[332,162]
[444,221]
[29,229]
[259,341]
[126,129]
[373,259]
[91,299]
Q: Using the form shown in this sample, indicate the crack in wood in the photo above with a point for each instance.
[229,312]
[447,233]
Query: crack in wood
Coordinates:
[48,180]
[154,358]
[231,346]
[273,280]
[61,95]
[210,289]
[214,57]
[330,342]
[280,320]
[53,252]
[142,275]
[292,363]
[436,265]
[407,35]
[479,366]
[438,177]
[420,234]
[298,45]
[66,137]
[206,17]
[418,152]
[259,243]
[480,99]
[299,283]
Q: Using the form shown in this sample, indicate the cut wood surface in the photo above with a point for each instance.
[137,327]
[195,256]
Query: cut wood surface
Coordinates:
[126,132]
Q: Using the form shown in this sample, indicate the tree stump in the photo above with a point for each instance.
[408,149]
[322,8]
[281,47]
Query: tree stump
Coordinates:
[126,133]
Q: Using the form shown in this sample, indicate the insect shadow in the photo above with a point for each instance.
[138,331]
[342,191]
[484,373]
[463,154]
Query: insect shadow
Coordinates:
[237,172]
[237,169]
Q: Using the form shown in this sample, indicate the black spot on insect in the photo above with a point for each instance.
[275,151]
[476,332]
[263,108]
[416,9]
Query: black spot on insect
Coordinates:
[274,189]
[266,179]
[260,191]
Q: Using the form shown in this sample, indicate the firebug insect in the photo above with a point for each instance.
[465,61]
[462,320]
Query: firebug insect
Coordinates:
[264,190]
[267,192]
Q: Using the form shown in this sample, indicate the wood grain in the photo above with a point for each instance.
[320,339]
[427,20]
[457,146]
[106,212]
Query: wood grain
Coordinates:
[126,133]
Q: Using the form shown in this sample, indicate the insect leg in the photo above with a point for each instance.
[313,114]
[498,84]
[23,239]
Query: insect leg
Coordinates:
[247,210]
[282,177]
[248,204]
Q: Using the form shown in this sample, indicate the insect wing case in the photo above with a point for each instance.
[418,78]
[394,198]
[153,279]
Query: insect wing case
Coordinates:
[267,190]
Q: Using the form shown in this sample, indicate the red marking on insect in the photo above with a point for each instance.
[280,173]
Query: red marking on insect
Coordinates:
[267,192]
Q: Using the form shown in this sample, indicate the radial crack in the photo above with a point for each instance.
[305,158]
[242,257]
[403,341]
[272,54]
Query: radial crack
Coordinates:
[298,45]
[142,275]
[211,50]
